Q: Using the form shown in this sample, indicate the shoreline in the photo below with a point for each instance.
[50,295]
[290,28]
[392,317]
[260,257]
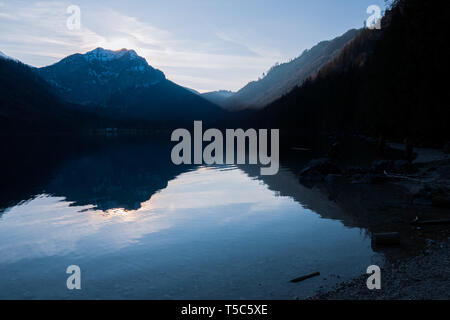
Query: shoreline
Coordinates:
[418,267]
[423,277]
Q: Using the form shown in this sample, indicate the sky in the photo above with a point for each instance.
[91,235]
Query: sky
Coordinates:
[205,45]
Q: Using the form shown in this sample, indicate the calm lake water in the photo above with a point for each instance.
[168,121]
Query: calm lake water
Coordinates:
[142,228]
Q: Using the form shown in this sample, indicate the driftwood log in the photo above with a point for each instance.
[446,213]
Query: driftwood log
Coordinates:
[315,274]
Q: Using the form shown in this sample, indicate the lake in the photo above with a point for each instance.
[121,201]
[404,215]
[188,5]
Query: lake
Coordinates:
[140,227]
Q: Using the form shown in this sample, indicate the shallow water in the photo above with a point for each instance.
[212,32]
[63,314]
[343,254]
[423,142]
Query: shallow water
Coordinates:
[141,228]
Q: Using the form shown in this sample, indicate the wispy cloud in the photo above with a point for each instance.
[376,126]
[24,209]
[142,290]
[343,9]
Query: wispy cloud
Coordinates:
[36,33]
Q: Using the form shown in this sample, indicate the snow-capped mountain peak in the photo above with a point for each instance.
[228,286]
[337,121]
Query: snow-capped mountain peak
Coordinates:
[92,78]
[109,55]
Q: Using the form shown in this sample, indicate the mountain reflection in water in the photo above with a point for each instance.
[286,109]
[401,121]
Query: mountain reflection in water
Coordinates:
[140,227]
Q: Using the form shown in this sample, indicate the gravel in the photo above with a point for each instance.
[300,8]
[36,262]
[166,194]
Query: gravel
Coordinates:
[425,276]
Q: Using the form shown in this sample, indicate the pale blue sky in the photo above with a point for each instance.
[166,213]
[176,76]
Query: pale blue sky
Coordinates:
[202,44]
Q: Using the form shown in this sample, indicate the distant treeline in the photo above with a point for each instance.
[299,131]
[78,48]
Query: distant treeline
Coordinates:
[391,82]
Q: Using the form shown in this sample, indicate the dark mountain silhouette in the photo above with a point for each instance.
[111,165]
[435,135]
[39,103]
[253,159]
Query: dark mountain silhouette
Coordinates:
[122,84]
[91,78]
[105,173]
[282,78]
[122,174]
[27,103]
[4,56]
[388,82]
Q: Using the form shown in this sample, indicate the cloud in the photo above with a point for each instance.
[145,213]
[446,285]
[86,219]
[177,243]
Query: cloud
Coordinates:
[36,33]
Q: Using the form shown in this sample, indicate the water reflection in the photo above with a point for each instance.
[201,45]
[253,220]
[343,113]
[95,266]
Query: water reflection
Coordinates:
[140,227]
[54,225]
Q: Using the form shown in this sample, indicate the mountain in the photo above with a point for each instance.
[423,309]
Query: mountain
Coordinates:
[192,90]
[122,84]
[218,97]
[4,56]
[386,82]
[93,77]
[282,78]
[28,104]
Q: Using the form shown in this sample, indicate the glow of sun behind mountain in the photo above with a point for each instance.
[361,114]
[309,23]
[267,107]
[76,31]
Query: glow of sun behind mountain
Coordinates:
[119,43]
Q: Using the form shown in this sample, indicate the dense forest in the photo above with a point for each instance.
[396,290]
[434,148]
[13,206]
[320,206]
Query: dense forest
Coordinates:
[390,82]
[29,105]
[282,78]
